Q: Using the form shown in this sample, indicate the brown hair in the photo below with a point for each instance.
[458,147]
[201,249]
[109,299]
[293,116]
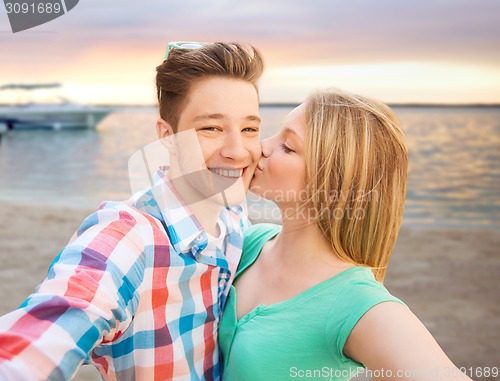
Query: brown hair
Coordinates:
[184,67]
[356,168]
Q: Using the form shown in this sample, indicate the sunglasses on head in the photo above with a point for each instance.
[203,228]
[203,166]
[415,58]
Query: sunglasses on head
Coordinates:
[182,45]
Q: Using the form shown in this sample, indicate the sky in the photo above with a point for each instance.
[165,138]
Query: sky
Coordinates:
[398,51]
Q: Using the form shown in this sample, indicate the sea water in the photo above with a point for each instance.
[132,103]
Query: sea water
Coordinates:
[454,178]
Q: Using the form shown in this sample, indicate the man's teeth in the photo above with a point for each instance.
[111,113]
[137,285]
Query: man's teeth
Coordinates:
[227,172]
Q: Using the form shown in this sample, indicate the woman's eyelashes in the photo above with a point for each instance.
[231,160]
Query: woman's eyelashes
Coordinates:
[285,148]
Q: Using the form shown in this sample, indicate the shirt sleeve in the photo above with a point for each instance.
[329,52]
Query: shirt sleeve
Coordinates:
[88,298]
[356,299]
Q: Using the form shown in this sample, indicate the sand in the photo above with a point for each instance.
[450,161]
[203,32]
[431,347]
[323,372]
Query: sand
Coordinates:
[450,279]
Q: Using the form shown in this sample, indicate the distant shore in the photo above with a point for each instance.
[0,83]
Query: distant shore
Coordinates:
[449,278]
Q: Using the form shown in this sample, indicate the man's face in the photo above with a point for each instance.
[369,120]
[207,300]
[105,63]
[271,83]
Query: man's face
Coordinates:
[217,139]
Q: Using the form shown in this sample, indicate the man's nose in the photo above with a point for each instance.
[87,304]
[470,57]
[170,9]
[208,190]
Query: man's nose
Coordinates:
[234,147]
[266,147]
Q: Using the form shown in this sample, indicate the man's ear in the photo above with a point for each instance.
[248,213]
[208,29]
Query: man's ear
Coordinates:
[165,133]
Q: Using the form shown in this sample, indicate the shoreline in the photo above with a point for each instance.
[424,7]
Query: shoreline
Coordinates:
[448,277]
[86,205]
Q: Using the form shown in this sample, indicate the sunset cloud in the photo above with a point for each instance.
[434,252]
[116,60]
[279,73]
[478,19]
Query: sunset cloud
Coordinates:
[118,44]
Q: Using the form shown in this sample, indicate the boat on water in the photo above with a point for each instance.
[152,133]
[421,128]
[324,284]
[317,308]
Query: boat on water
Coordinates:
[54,114]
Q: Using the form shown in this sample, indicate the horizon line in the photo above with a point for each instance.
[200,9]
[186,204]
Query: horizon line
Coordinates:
[295,104]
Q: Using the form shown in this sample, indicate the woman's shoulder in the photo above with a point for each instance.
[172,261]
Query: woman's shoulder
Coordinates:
[357,292]
[361,287]
[255,238]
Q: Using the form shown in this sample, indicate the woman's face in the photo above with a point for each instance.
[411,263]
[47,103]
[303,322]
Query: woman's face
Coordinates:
[280,174]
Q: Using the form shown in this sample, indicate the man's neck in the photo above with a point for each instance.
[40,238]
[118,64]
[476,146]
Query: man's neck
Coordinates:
[207,213]
[206,210]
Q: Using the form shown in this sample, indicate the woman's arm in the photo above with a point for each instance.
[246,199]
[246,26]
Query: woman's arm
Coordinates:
[394,344]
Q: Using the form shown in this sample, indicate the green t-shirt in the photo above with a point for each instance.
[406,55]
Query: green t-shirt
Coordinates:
[302,337]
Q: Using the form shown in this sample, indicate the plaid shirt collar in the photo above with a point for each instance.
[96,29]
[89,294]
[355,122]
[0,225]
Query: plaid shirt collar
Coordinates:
[183,228]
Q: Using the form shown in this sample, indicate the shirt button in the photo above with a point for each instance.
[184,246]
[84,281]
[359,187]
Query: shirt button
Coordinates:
[199,238]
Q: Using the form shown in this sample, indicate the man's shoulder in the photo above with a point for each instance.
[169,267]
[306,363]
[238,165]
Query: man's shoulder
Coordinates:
[124,210]
[117,215]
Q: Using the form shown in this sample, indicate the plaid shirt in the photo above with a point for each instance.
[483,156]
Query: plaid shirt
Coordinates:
[136,292]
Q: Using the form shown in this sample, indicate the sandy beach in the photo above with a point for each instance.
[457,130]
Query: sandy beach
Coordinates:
[448,278]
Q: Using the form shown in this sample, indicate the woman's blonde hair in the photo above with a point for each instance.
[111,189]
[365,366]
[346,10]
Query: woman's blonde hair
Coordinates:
[356,168]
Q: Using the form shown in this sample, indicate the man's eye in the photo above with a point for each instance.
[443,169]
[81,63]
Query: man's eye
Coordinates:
[286,149]
[212,128]
[251,129]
